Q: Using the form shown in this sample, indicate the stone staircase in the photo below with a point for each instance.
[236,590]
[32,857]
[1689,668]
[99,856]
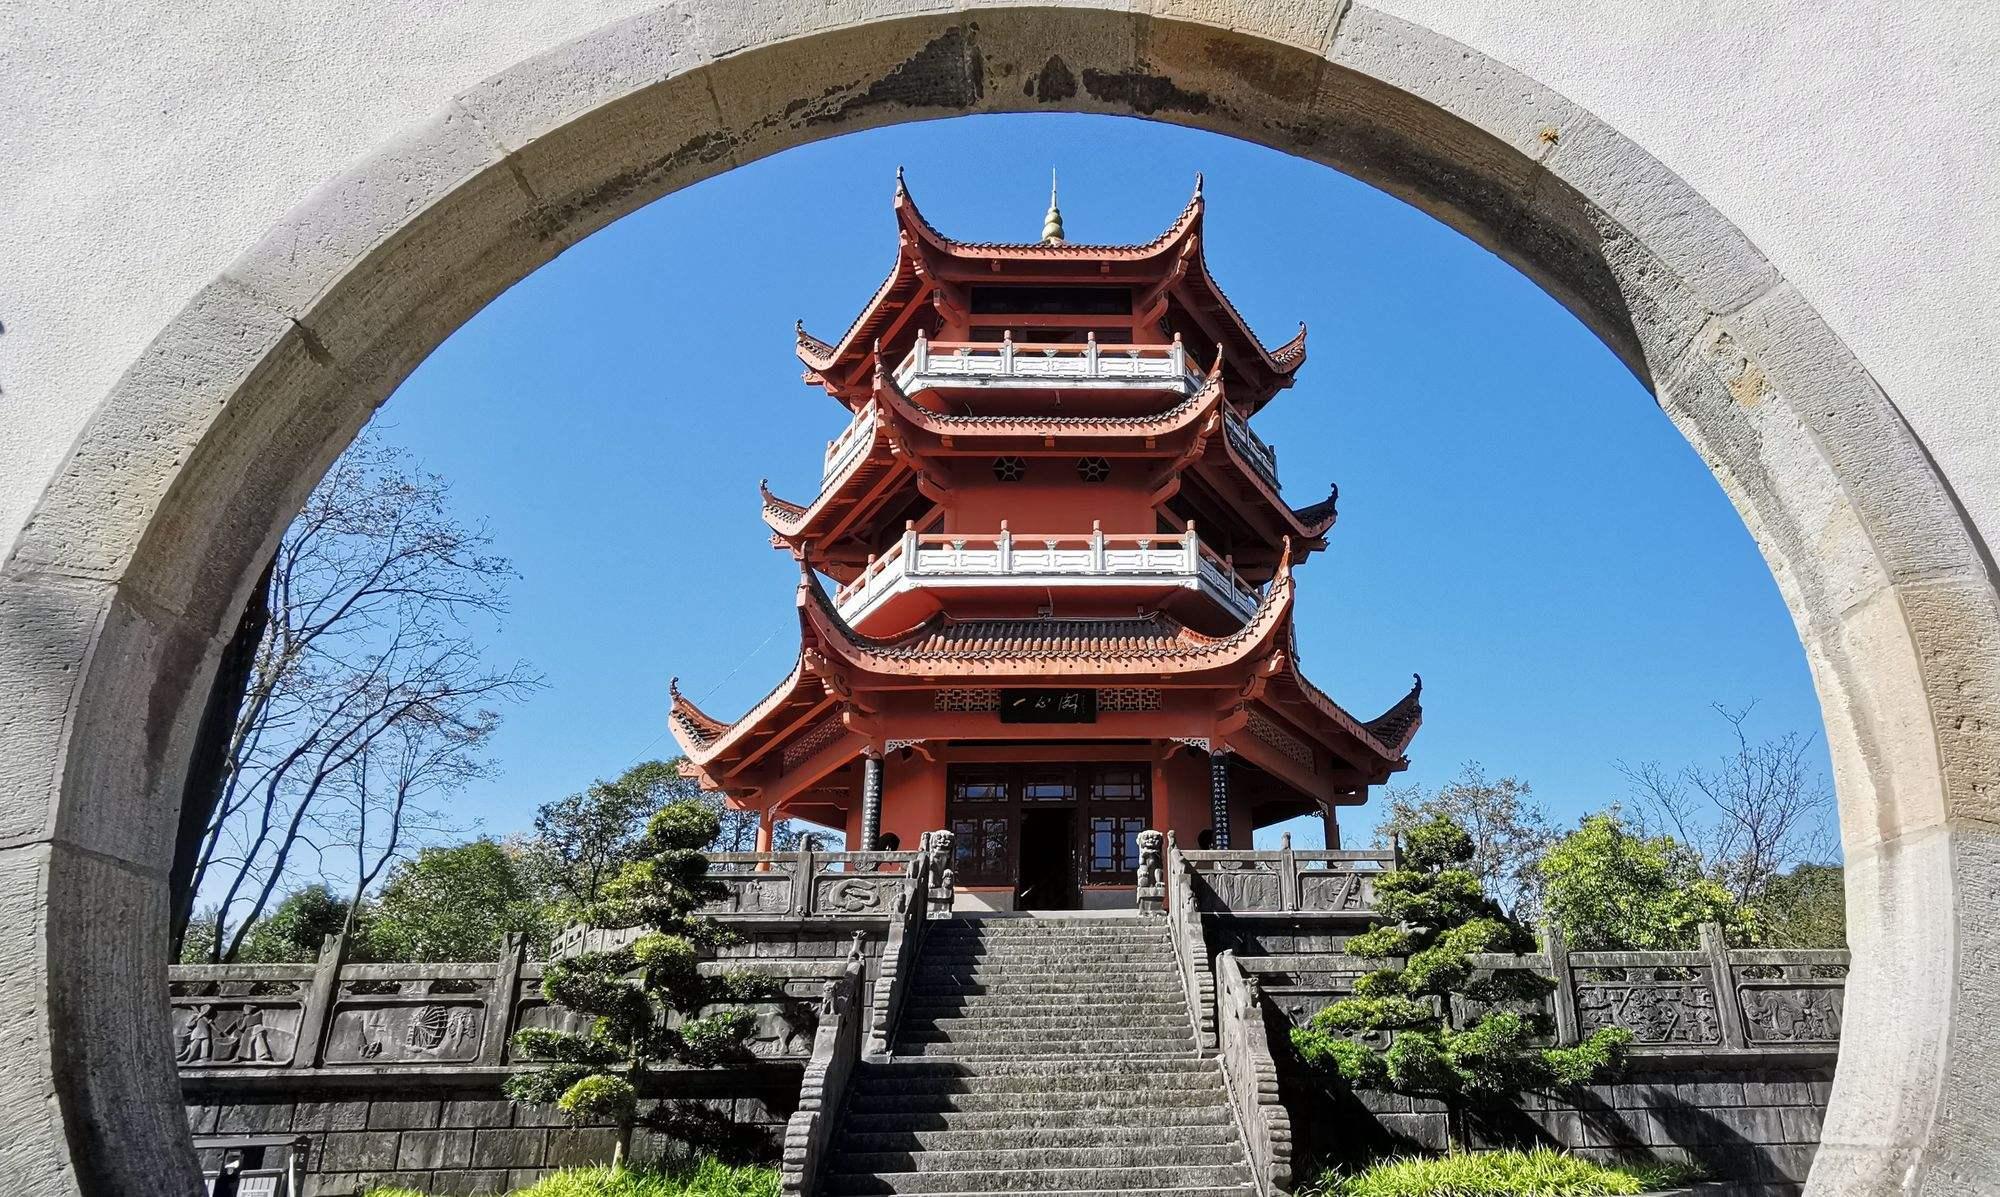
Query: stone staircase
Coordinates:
[1041,1055]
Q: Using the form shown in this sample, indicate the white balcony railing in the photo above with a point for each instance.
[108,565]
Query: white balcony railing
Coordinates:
[1093,560]
[1024,364]
[843,449]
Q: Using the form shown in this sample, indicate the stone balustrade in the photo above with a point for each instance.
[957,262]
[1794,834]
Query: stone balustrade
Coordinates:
[944,561]
[1011,363]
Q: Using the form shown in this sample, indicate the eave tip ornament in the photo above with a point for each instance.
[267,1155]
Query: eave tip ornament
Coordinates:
[1052,228]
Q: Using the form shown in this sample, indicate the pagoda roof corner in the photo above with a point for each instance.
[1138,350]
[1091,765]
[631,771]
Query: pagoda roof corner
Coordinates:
[1398,725]
[694,728]
[1316,518]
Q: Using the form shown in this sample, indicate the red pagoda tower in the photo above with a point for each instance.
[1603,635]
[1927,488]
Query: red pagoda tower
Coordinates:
[1060,608]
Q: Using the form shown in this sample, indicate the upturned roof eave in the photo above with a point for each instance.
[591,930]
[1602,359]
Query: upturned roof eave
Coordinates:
[1184,416]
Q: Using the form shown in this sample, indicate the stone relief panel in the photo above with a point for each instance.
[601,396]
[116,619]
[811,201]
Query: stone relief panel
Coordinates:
[1656,1012]
[754,893]
[1242,888]
[1331,891]
[405,1033]
[854,893]
[1773,1014]
[235,1034]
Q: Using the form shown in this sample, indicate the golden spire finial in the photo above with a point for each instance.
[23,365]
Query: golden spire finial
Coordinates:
[1052,230]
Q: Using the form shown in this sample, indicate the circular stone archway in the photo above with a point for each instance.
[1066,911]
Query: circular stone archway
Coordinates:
[117,597]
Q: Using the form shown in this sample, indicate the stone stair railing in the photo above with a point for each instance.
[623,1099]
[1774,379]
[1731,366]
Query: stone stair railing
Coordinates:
[836,1048]
[1251,1075]
[927,873]
[1190,948]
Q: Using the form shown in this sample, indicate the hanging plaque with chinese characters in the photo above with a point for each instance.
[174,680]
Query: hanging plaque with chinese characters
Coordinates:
[1048,706]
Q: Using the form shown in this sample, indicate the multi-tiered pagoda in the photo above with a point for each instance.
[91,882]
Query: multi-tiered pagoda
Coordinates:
[1060,607]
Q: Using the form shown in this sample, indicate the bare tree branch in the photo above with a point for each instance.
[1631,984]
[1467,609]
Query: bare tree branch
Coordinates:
[369,699]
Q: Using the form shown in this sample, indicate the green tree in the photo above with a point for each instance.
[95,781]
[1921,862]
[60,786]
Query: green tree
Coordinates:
[1509,831]
[1609,888]
[1805,908]
[295,928]
[453,903]
[649,1003]
[1447,1030]
[581,841]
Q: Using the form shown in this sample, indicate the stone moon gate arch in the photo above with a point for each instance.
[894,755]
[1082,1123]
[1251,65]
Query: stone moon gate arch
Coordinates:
[127,579]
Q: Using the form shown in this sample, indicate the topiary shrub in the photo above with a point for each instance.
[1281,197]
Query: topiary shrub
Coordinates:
[595,1076]
[1430,1024]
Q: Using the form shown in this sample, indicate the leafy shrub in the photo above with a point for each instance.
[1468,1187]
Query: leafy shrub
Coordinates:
[1538,1173]
[702,1178]
[698,1178]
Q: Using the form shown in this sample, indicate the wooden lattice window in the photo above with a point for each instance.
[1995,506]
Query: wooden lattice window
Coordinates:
[1114,846]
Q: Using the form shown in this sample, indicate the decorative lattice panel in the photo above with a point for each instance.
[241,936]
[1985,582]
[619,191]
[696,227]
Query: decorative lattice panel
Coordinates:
[966,700]
[825,732]
[1128,698]
[1290,746]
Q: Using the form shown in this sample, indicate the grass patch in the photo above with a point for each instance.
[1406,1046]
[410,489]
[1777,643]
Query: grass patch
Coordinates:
[700,1178]
[1538,1173]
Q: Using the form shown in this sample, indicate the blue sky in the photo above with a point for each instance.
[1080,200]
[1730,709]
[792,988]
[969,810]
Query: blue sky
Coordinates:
[1519,522]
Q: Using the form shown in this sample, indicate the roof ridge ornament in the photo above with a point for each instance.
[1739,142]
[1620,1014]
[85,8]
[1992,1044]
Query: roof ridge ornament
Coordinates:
[1052,224]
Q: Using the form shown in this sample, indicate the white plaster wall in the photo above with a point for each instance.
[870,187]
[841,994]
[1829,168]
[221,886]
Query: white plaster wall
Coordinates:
[146,145]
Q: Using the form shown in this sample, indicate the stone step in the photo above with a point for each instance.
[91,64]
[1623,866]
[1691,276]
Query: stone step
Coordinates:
[1038,1180]
[1135,1116]
[1106,969]
[1019,1138]
[1152,942]
[1149,986]
[993,1085]
[1023,1103]
[1012,927]
[959,1005]
[1031,961]
[1041,1042]
[1061,1023]
[1147,1155]
[985,1051]
[1002,1018]
[895,1072]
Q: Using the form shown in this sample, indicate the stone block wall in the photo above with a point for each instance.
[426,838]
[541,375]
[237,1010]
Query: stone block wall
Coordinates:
[1757,1127]
[461,1139]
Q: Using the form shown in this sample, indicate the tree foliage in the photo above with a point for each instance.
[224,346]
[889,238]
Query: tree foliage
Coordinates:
[581,841]
[1509,830]
[454,903]
[649,1003]
[1805,908]
[1432,1024]
[1609,887]
[296,928]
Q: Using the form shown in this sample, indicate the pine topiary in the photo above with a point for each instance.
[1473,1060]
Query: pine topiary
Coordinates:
[651,1007]
[1433,1025]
